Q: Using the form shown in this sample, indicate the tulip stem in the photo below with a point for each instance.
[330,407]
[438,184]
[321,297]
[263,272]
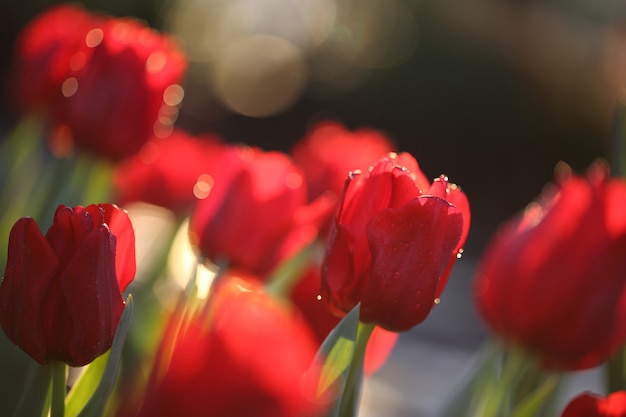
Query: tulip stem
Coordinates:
[59,371]
[352,393]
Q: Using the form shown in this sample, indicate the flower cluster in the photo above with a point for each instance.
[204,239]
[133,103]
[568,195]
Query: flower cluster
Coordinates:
[307,265]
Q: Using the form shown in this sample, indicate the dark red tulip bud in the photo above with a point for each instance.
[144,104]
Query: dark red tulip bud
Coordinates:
[61,295]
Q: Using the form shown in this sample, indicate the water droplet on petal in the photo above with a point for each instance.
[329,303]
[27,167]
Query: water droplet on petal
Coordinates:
[437,300]
[319,297]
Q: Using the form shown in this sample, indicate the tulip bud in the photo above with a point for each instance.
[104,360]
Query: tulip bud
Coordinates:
[591,405]
[61,295]
[105,84]
[255,213]
[553,279]
[244,354]
[392,244]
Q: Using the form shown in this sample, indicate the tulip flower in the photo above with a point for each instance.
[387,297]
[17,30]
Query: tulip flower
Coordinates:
[552,279]
[394,239]
[254,211]
[61,295]
[105,84]
[588,404]
[168,172]
[244,354]
[330,151]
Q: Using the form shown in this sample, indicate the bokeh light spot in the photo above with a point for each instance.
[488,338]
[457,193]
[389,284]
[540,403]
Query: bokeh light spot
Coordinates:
[156,62]
[173,95]
[203,186]
[94,37]
[260,75]
[69,87]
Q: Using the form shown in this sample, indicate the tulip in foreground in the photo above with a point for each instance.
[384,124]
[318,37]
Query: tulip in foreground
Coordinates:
[61,295]
[393,242]
[244,354]
[591,405]
[553,279]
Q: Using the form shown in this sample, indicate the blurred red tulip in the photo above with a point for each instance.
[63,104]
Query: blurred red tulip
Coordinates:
[169,172]
[105,84]
[552,280]
[246,354]
[330,151]
[591,405]
[61,296]
[255,214]
[393,241]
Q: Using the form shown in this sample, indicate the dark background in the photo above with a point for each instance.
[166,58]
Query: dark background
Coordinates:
[477,99]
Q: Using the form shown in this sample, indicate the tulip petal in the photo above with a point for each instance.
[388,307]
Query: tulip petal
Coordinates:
[340,285]
[121,227]
[30,268]
[410,250]
[93,298]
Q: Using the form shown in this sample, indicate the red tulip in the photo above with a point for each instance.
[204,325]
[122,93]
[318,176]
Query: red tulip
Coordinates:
[393,241]
[44,54]
[61,295]
[322,321]
[553,279]
[256,213]
[168,172]
[107,84]
[330,151]
[246,354]
[591,405]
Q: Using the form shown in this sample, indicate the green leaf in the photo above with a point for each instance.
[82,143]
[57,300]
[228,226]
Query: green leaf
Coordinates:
[98,401]
[341,360]
[286,275]
[86,385]
[536,400]
[335,357]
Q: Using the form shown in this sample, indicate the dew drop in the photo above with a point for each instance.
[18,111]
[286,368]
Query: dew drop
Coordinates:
[319,297]
[459,255]
[354,173]
[437,300]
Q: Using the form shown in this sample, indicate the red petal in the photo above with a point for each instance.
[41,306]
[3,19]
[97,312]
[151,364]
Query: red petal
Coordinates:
[121,227]
[28,279]
[410,250]
[93,298]
[339,280]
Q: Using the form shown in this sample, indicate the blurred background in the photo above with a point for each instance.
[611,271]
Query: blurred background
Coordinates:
[492,93]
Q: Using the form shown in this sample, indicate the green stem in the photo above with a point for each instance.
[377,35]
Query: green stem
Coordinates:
[59,370]
[352,391]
